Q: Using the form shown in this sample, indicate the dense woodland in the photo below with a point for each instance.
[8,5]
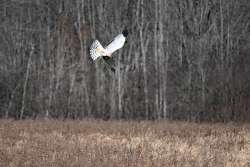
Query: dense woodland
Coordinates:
[184,59]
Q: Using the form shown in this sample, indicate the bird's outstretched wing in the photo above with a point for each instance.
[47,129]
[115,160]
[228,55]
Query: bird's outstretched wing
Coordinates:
[116,44]
[97,50]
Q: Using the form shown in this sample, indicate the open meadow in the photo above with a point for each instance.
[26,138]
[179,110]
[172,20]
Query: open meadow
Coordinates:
[120,143]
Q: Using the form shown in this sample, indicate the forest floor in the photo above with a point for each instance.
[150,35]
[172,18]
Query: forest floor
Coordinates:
[122,144]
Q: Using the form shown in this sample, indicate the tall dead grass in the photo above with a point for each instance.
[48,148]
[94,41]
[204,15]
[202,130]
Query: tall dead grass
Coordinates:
[122,144]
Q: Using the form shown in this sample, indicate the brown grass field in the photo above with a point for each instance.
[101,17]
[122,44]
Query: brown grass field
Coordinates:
[122,144]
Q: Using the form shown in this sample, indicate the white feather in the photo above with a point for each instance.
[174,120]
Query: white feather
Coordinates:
[96,50]
[116,44]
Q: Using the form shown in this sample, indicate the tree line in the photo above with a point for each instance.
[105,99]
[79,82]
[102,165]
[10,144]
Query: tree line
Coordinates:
[184,60]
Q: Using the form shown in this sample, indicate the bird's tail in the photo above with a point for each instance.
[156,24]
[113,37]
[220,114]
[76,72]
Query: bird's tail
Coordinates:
[96,50]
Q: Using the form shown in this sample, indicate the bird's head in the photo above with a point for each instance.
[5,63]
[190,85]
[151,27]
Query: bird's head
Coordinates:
[125,32]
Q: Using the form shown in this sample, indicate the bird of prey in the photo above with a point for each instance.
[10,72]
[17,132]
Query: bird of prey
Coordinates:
[97,50]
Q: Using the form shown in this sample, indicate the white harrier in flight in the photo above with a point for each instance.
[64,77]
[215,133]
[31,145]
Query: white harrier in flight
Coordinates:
[97,50]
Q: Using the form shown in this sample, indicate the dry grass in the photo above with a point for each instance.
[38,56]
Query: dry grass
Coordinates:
[125,144]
